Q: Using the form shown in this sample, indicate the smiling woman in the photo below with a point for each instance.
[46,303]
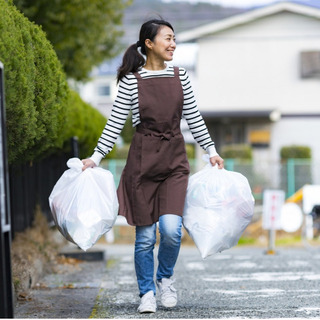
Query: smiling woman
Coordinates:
[161,49]
[154,181]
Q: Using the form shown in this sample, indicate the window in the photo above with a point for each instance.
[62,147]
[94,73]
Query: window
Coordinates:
[310,64]
[259,138]
[103,90]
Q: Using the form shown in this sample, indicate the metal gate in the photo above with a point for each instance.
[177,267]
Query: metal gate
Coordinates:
[6,292]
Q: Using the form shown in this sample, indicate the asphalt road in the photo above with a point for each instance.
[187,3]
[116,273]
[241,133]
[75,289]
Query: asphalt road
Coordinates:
[240,283]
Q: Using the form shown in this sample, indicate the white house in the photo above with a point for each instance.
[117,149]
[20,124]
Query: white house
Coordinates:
[258,78]
[101,90]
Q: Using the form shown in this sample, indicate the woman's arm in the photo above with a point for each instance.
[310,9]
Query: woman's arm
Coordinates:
[195,121]
[120,110]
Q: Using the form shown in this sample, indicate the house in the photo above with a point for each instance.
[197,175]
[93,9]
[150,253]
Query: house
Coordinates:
[258,79]
[102,89]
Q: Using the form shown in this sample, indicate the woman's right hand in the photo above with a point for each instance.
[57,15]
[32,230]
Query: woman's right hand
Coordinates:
[88,163]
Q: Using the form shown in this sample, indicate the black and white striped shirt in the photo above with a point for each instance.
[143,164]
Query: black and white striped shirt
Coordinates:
[127,99]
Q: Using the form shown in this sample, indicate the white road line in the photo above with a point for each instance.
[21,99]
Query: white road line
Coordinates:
[195,266]
[265,276]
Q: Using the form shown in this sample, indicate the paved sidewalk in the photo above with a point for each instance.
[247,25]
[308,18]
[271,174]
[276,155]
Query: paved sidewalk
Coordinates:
[241,283]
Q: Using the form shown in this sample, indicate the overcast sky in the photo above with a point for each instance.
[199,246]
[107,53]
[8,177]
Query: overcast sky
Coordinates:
[234,3]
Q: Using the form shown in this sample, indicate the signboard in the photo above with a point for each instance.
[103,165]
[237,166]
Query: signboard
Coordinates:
[273,201]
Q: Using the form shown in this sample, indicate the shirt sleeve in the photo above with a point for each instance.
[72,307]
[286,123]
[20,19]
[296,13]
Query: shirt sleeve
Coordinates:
[120,110]
[193,117]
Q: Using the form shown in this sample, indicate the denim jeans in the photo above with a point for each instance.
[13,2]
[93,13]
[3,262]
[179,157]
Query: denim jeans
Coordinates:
[170,240]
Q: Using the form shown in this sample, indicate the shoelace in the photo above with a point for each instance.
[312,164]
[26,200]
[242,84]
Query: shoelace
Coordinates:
[148,300]
[168,288]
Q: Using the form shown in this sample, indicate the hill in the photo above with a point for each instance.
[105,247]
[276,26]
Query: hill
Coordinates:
[182,15]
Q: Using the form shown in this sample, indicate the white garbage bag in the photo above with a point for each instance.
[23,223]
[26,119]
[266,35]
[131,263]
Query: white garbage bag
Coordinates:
[219,206]
[84,204]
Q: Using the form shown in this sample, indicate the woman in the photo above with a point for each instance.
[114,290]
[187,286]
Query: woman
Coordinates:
[154,181]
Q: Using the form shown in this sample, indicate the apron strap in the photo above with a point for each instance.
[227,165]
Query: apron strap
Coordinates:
[137,75]
[176,71]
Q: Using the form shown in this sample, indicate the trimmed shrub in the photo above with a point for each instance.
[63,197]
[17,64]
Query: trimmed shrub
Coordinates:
[295,152]
[191,151]
[83,121]
[236,151]
[42,113]
[295,168]
[35,86]
[128,130]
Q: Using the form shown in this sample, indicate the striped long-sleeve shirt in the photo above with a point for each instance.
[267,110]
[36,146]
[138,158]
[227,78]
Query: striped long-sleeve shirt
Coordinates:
[127,99]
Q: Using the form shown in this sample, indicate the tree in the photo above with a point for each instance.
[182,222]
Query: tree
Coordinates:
[82,32]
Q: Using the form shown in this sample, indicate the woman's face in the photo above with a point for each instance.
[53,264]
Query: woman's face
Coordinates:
[164,44]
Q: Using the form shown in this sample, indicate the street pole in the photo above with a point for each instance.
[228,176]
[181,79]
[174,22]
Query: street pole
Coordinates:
[6,292]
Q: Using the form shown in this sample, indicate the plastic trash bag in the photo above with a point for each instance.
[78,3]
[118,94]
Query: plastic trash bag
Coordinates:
[84,204]
[218,207]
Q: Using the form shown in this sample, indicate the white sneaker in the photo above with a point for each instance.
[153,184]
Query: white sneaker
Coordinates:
[148,303]
[168,294]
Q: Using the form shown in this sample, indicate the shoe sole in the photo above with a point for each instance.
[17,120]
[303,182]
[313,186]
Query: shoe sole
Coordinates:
[169,305]
[147,311]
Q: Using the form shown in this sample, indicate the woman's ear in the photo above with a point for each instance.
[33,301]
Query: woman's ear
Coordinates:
[148,43]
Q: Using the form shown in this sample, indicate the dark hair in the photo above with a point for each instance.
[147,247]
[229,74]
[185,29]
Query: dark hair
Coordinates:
[132,59]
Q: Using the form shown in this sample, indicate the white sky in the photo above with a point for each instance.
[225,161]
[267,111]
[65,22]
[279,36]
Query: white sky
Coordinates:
[236,3]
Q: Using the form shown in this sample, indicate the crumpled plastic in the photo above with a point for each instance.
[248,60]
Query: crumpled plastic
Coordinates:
[219,206]
[84,204]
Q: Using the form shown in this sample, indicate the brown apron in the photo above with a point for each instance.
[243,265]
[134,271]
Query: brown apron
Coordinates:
[155,178]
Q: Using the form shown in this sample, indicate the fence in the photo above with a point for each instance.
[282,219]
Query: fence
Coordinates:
[31,185]
[289,176]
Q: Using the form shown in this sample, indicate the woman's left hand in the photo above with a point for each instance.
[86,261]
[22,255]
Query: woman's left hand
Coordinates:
[217,160]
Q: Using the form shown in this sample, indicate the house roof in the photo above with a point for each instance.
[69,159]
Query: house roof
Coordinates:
[247,17]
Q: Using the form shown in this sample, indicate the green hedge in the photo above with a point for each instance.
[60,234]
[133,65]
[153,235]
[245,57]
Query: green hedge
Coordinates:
[42,113]
[295,152]
[236,151]
[35,86]
[295,173]
[84,122]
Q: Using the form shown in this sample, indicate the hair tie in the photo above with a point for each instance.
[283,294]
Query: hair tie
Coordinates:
[138,44]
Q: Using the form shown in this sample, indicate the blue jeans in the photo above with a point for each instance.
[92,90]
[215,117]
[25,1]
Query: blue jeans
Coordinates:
[170,240]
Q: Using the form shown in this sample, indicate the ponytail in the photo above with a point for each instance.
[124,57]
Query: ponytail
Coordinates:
[131,62]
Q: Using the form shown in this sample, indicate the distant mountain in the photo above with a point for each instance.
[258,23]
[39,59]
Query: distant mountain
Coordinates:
[182,15]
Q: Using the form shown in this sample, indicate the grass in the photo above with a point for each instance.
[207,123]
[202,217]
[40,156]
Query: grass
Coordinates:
[289,240]
[247,241]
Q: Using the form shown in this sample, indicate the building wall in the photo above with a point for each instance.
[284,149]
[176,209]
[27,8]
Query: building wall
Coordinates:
[297,131]
[100,93]
[257,66]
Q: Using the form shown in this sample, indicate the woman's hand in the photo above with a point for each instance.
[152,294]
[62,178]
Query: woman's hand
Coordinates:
[88,163]
[217,160]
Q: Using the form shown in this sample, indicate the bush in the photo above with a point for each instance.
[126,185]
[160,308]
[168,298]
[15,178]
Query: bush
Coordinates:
[295,173]
[236,151]
[295,152]
[84,122]
[191,151]
[42,113]
[128,130]
[35,86]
